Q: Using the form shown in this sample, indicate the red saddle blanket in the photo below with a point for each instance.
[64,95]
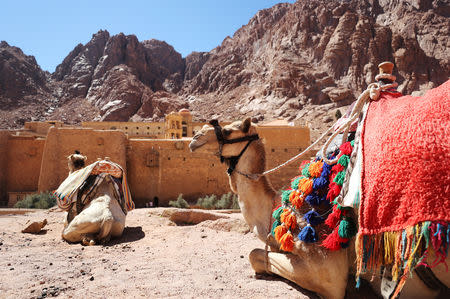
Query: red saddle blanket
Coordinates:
[406,152]
[405,183]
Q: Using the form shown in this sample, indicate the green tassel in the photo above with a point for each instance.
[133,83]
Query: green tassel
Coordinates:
[277,213]
[294,184]
[339,179]
[305,171]
[352,143]
[347,228]
[426,232]
[344,160]
[274,225]
[285,196]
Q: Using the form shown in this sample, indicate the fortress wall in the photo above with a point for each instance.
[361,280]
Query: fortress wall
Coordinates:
[61,142]
[133,129]
[24,163]
[4,137]
[167,168]
[281,144]
[160,168]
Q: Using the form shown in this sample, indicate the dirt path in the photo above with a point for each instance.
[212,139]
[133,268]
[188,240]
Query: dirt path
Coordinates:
[155,258]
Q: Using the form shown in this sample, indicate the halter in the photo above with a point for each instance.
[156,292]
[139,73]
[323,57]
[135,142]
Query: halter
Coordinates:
[233,160]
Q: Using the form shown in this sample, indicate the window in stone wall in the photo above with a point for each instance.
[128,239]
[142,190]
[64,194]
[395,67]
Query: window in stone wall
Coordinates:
[152,158]
[273,150]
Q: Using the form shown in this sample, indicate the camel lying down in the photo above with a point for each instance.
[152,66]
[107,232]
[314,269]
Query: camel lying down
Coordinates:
[96,214]
[310,266]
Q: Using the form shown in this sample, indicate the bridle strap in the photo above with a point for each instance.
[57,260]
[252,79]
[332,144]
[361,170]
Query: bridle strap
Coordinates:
[234,160]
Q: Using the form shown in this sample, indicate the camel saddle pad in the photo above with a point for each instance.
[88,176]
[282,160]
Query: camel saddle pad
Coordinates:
[406,161]
[67,192]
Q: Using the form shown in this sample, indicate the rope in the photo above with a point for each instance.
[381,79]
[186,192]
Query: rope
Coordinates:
[372,92]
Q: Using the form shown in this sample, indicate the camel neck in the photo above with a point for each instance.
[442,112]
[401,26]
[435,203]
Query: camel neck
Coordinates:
[255,196]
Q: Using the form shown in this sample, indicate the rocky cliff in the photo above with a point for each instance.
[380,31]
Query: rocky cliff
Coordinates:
[298,61]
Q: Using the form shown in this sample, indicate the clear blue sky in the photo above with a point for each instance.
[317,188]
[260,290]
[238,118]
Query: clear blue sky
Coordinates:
[49,30]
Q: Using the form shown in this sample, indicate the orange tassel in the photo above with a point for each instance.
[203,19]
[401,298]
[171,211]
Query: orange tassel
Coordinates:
[279,231]
[283,215]
[291,221]
[287,242]
[298,200]
[306,186]
[315,169]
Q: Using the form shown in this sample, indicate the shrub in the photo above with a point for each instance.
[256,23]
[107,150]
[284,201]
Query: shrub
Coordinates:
[235,202]
[226,201]
[207,202]
[338,114]
[43,200]
[179,203]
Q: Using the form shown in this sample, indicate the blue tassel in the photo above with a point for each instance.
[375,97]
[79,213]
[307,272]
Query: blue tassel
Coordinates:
[320,182]
[323,199]
[358,282]
[313,200]
[313,218]
[326,170]
[308,235]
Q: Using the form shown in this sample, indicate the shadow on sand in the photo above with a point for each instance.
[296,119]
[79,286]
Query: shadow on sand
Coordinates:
[274,277]
[130,234]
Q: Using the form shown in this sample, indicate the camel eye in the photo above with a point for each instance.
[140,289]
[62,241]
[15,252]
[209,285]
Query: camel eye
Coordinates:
[226,132]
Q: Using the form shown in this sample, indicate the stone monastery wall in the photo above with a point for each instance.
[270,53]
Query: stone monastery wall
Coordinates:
[161,168]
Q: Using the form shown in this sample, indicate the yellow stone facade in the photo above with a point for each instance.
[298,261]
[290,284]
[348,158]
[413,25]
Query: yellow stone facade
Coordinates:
[34,160]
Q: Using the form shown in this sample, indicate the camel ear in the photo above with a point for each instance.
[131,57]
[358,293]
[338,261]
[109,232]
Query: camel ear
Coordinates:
[245,126]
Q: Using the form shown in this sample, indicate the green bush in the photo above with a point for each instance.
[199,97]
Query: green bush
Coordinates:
[43,200]
[207,202]
[338,114]
[226,201]
[179,203]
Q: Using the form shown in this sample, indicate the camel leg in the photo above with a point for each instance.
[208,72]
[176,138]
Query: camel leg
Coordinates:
[317,274]
[105,231]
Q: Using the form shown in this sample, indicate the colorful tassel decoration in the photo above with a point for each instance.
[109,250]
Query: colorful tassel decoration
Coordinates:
[315,169]
[347,228]
[305,171]
[279,231]
[319,183]
[277,213]
[297,200]
[308,234]
[274,226]
[294,183]
[305,185]
[291,221]
[346,148]
[333,241]
[285,196]
[313,218]
[287,242]
[333,218]
[313,199]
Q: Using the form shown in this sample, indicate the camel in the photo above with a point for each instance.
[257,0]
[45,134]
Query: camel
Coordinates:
[308,265]
[101,218]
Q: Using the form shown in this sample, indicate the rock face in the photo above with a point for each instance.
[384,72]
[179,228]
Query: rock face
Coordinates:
[298,61]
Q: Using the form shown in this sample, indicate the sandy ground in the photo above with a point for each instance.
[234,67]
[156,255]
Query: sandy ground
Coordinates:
[155,258]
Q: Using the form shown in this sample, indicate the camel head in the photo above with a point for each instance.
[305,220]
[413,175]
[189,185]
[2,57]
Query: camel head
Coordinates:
[205,140]
[76,161]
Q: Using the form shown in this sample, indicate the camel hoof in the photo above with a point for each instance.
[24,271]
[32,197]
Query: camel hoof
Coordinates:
[257,260]
[88,241]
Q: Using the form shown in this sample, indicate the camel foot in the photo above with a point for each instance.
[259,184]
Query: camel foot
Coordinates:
[257,259]
[88,241]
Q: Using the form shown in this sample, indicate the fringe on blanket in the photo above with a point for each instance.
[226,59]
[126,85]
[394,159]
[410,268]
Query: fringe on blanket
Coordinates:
[404,250]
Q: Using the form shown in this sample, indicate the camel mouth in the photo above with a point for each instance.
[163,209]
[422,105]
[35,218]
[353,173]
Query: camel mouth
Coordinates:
[195,145]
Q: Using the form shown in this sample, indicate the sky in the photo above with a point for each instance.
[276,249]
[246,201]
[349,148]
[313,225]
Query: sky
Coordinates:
[50,29]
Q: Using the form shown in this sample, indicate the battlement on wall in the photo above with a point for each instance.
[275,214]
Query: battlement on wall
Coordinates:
[156,168]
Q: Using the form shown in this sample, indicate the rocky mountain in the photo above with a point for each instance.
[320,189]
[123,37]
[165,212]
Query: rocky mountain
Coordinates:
[300,61]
